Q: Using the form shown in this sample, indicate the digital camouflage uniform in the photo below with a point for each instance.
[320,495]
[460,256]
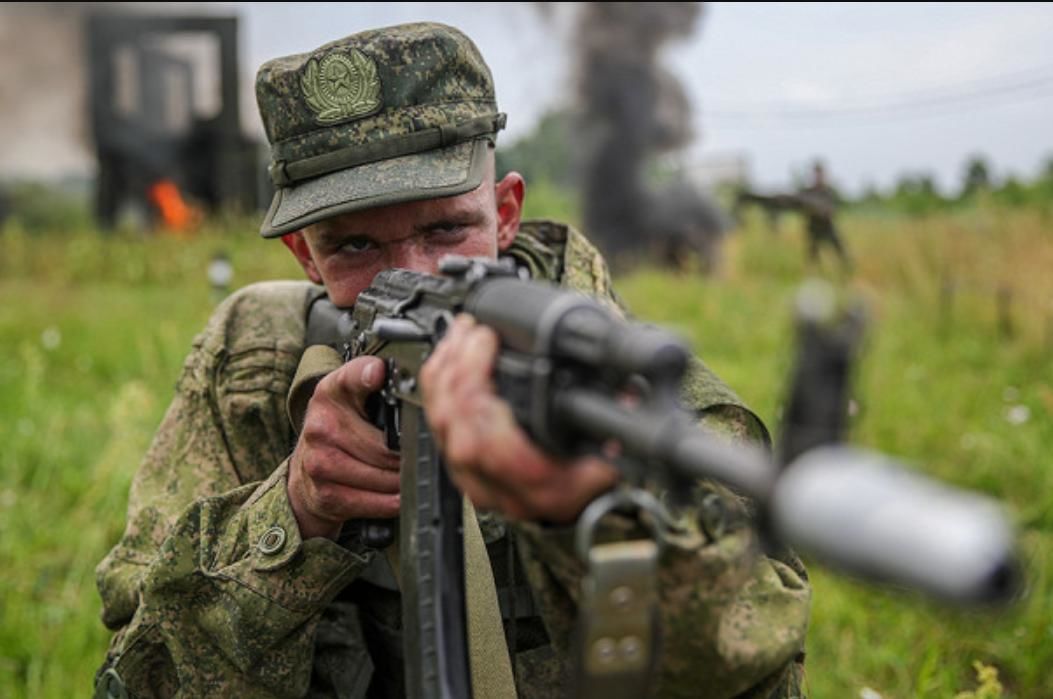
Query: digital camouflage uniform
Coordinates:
[212,592]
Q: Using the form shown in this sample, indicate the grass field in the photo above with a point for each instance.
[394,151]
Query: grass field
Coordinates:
[94,330]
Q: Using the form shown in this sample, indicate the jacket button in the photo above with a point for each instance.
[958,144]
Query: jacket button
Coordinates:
[712,516]
[272,540]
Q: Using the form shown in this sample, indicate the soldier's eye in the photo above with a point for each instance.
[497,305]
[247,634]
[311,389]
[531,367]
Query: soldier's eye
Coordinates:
[357,244]
[446,230]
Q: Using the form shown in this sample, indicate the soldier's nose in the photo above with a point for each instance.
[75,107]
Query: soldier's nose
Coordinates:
[411,255]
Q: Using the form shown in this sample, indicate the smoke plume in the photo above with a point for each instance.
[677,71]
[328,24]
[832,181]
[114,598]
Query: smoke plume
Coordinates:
[632,110]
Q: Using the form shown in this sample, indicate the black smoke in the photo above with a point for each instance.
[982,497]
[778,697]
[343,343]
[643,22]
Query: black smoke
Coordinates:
[632,111]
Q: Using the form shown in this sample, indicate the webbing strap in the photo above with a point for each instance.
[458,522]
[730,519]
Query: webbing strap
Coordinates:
[488,654]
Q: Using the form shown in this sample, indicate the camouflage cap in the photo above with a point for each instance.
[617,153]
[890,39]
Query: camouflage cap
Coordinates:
[380,117]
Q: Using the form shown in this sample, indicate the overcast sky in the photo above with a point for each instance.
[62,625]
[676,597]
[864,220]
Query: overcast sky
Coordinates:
[900,86]
[874,89]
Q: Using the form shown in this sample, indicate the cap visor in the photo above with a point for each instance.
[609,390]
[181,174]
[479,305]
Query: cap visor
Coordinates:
[430,175]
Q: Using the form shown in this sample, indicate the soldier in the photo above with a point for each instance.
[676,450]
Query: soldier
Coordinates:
[818,202]
[236,575]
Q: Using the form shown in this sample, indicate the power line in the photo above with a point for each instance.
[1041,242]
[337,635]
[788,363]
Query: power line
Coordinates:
[924,92]
[980,93]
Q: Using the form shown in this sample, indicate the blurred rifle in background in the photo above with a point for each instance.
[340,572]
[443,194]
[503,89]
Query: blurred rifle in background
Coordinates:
[776,204]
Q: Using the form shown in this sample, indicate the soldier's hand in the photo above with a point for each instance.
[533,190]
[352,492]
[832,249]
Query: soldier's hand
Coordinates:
[489,457]
[341,468]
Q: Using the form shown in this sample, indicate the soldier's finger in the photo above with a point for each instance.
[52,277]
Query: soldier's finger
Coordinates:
[435,374]
[489,482]
[575,487]
[340,503]
[332,466]
[366,442]
[328,427]
[435,381]
[354,382]
[527,481]
[560,500]
[480,351]
[463,390]
[450,340]
[482,496]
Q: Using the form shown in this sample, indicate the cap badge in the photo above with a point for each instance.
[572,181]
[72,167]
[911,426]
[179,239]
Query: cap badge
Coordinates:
[343,85]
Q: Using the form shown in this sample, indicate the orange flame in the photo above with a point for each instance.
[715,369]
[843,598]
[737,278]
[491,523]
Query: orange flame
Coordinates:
[176,215]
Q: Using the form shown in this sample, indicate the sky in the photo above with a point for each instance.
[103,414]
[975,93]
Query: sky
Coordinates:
[874,89]
[902,87]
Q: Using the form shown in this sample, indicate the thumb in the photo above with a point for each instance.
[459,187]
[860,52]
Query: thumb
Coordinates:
[355,381]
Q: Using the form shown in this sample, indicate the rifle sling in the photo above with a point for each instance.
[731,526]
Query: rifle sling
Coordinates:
[488,655]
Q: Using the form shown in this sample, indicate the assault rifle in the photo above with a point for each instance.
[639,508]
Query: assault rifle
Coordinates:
[564,366]
[807,202]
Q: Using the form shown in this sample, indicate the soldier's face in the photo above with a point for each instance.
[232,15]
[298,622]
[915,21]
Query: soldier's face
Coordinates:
[345,253]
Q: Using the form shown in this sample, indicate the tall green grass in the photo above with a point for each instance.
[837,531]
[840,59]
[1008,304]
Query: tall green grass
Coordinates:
[942,385]
[94,329]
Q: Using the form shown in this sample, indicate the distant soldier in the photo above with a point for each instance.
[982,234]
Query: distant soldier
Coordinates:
[818,203]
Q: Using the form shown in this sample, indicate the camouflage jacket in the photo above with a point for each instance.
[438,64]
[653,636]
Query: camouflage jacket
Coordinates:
[212,592]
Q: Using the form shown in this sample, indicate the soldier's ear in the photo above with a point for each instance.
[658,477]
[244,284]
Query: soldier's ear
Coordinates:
[508,194]
[302,252]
